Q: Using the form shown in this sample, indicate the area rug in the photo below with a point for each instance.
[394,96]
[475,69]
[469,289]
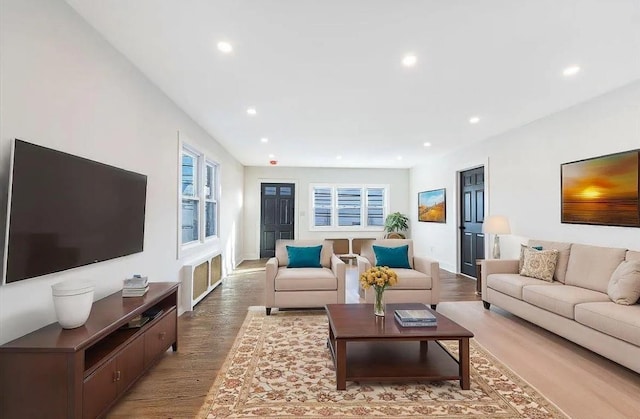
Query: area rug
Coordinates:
[280,367]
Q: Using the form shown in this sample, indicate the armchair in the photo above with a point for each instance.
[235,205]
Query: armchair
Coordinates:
[288,287]
[419,284]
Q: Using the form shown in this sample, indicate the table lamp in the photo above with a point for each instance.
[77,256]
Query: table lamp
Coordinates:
[496,225]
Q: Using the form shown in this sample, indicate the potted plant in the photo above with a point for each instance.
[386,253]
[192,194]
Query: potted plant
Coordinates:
[395,224]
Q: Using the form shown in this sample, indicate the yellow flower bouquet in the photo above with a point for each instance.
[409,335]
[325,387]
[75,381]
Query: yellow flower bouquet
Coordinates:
[378,277]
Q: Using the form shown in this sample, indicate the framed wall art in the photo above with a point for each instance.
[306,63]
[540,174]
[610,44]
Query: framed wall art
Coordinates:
[432,206]
[602,190]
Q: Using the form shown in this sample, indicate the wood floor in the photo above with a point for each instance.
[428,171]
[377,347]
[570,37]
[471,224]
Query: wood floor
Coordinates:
[581,383]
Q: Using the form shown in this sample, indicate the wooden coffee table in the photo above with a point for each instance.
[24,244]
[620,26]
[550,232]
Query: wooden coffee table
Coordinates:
[366,347]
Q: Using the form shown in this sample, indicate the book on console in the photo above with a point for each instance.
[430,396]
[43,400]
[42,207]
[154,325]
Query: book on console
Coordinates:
[414,323]
[415,315]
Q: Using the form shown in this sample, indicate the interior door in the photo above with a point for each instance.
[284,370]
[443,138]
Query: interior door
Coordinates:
[471,218]
[276,215]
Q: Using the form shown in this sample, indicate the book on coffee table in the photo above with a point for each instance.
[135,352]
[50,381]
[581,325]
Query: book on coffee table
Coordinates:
[415,323]
[415,315]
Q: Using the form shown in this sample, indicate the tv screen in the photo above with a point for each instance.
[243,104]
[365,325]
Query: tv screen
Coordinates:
[67,211]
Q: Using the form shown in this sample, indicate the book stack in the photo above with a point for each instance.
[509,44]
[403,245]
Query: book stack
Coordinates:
[415,318]
[135,287]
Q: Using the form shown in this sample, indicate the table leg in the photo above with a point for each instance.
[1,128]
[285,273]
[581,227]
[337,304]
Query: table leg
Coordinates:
[424,348]
[463,358]
[341,364]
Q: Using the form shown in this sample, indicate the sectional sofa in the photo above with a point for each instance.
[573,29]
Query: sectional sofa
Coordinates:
[576,304]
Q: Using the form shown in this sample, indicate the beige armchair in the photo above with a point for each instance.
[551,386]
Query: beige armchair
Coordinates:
[420,284]
[304,287]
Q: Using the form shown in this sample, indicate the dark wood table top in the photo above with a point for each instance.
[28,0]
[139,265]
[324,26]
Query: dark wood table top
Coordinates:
[357,321]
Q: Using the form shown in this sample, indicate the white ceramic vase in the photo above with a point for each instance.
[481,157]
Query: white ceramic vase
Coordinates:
[72,301]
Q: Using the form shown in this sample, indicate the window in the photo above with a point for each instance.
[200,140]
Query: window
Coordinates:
[199,197]
[348,207]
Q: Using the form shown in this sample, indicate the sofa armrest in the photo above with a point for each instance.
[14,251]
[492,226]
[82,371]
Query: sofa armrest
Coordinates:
[363,264]
[338,267]
[270,285]
[497,266]
[431,268]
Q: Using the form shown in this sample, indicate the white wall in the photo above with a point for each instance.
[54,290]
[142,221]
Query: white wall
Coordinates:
[522,171]
[65,87]
[397,179]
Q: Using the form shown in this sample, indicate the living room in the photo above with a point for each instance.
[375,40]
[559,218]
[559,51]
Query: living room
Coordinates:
[64,86]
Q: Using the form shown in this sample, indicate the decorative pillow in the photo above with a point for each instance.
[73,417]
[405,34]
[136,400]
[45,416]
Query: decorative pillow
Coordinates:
[393,257]
[540,264]
[304,257]
[522,247]
[624,285]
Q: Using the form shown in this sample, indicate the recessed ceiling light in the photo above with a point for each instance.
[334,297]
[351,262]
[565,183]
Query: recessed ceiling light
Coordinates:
[399,158]
[251,111]
[339,157]
[225,47]
[571,71]
[264,140]
[474,119]
[409,60]
[427,144]
[271,156]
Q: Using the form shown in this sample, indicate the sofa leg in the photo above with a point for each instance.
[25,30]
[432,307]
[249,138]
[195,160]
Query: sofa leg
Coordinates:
[433,306]
[268,311]
[486,305]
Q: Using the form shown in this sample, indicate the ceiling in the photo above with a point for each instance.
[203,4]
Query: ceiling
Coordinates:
[326,76]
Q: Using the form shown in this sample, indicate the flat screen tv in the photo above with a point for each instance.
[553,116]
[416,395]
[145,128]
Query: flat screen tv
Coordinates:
[66,211]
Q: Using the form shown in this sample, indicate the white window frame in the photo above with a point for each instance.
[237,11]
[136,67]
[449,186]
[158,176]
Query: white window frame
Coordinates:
[200,196]
[334,206]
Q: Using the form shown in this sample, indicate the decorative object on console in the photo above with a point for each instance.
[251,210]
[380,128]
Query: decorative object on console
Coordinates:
[603,190]
[135,287]
[378,277]
[72,301]
[496,224]
[432,206]
[395,224]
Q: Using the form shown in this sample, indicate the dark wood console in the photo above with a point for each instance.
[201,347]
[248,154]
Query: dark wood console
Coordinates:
[58,373]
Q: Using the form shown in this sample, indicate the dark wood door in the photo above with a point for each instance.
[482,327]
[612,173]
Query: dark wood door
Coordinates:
[276,215]
[471,218]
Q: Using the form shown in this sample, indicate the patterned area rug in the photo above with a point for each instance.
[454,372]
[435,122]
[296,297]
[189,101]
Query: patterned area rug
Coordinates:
[280,367]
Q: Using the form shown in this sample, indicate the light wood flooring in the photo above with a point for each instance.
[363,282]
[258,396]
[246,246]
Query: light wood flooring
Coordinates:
[580,382]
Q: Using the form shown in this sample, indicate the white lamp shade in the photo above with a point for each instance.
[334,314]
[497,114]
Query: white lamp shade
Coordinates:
[496,224]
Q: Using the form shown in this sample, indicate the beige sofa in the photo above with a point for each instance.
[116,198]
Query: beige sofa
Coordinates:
[575,305]
[304,287]
[420,284]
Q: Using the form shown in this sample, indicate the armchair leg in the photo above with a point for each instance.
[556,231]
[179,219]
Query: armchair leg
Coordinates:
[433,306]
[268,311]
[486,305]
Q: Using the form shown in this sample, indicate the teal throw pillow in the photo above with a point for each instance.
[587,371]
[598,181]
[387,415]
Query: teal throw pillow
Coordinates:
[393,257]
[304,257]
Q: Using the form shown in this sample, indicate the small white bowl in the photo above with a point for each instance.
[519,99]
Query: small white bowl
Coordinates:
[72,301]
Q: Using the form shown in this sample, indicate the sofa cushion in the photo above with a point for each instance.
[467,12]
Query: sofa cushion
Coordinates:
[560,299]
[563,249]
[632,255]
[624,286]
[367,248]
[522,247]
[622,322]
[393,257]
[591,266]
[325,254]
[305,279]
[540,264]
[410,279]
[304,257]
[512,284]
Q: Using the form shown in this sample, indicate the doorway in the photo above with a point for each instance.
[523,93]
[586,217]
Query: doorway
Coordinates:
[276,215]
[471,218]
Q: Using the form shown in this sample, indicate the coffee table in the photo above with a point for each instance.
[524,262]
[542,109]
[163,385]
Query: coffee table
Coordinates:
[366,347]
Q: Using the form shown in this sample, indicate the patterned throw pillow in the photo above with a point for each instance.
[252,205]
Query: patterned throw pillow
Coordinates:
[540,264]
[522,247]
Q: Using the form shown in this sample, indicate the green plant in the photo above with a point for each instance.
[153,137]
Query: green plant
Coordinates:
[396,222]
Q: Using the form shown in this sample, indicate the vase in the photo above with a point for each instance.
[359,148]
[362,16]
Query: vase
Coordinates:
[378,304]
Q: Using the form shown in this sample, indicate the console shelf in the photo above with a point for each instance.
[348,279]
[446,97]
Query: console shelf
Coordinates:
[54,372]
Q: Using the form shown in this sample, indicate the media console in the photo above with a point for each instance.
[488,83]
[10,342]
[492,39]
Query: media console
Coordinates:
[80,373]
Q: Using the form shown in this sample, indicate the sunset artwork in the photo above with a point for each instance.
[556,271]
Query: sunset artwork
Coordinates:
[431,206]
[603,190]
